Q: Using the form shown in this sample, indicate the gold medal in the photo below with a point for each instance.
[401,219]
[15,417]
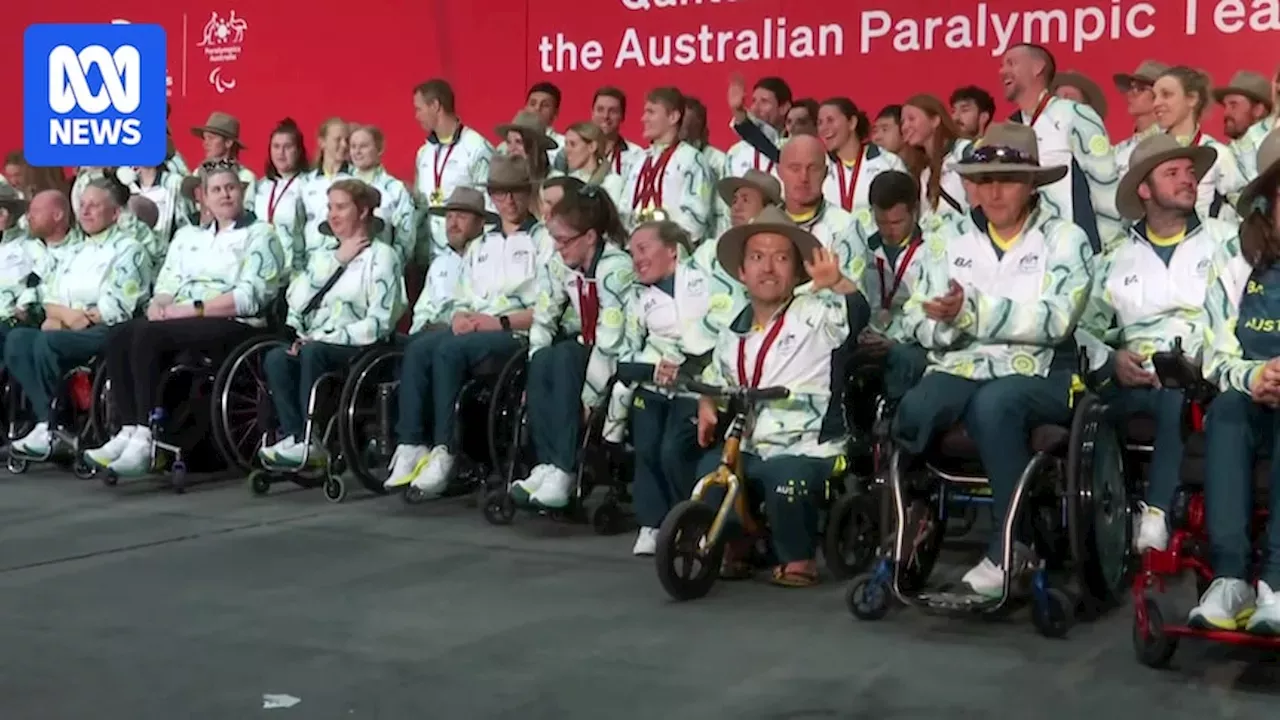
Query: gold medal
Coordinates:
[437,197]
[884,316]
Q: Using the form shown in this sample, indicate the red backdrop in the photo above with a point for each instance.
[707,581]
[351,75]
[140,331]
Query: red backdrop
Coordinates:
[314,59]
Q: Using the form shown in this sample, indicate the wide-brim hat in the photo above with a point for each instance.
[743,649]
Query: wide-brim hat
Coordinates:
[509,173]
[1093,95]
[465,199]
[12,201]
[375,228]
[1249,84]
[188,187]
[1268,172]
[732,246]
[767,184]
[1147,156]
[529,125]
[1009,149]
[1147,73]
[221,124]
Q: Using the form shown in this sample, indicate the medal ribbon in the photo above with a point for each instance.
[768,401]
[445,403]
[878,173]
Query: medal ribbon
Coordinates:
[848,187]
[1044,103]
[617,155]
[755,163]
[770,336]
[649,185]
[589,308]
[887,293]
[437,167]
[273,201]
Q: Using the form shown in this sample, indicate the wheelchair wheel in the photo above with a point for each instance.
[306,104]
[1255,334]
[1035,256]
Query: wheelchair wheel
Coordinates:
[240,402]
[104,418]
[17,465]
[361,419]
[852,534]
[335,489]
[498,507]
[686,568]
[1097,494]
[506,413]
[83,469]
[1151,644]
[867,598]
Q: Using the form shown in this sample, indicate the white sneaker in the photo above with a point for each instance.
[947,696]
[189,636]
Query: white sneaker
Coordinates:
[110,451]
[1223,606]
[291,452]
[1151,531]
[985,579]
[35,443]
[1266,615]
[135,459]
[531,484]
[406,463]
[554,490]
[268,453]
[434,478]
[646,542]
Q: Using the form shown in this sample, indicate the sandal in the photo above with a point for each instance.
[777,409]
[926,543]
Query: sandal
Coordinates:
[782,577]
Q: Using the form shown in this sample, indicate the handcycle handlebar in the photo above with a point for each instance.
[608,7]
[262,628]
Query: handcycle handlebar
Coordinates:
[1177,372]
[745,394]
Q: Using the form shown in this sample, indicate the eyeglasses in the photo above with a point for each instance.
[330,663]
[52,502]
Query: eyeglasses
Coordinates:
[999,155]
[561,242]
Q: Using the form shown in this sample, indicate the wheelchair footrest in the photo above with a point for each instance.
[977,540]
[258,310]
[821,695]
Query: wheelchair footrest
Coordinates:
[955,602]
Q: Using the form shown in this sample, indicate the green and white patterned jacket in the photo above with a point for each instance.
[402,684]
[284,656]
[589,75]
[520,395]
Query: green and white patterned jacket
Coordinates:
[1224,361]
[1018,306]
[110,272]
[246,260]
[362,308]
[20,255]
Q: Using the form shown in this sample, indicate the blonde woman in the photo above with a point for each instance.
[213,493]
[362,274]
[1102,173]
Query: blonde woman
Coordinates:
[332,165]
[584,155]
[1182,97]
[396,207]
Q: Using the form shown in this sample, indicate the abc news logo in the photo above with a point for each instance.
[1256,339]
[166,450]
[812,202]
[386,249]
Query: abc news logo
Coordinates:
[94,95]
[121,90]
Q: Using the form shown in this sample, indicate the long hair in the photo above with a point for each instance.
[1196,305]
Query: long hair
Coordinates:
[322,133]
[591,209]
[861,123]
[591,133]
[1259,238]
[944,136]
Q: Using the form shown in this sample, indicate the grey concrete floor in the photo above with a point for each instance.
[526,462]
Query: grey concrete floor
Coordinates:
[132,603]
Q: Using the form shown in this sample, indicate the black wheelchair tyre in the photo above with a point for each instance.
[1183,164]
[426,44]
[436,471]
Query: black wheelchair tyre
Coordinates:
[852,534]
[867,598]
[1054,613]
[499,509]
[1098,527]
[504,409]
[683,529]
[1154,647]
[237,363]
[364,376]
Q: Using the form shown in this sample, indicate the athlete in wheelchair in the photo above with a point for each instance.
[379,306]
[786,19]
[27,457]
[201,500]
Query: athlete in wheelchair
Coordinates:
[996,304]
[491,310]
[210,295]
[347,300]
[98,280]
[20,256]
[1148,293]
[779,363]
[672,323]
[574,344]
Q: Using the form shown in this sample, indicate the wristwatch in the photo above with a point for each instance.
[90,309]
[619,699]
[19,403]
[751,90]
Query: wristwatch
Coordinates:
[199,308]
[505,322]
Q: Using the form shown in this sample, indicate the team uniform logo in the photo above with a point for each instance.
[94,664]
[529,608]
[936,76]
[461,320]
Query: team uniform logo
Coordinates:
[94,95]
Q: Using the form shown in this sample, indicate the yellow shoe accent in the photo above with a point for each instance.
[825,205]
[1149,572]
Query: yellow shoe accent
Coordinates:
[411,475]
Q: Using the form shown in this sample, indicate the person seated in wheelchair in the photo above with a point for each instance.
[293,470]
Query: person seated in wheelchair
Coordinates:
[349,297]
[216,282]
[492,307]
[465,220]
[672,322]
[100,279]
[888,263]
[575,339]
[996,305]
[783,338]
[20,254]
[1242,358]
[1149,291]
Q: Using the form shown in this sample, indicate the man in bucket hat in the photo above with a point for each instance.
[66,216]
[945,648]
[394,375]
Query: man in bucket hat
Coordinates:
[19,256]
[790,340]
[1149,290]
[220,136]
[465,219]
[1140,100]
[996,305]
[492,302]
[1249,113]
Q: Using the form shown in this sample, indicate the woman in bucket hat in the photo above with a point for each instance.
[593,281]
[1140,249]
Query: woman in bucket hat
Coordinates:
[783,339]
[996,304]
[1242,357]
[525,136]
[220,136]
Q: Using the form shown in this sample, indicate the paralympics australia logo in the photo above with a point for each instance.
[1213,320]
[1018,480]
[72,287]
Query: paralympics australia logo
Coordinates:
[223,40]
[94,95]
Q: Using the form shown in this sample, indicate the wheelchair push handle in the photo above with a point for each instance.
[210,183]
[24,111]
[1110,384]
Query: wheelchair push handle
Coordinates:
[745,394]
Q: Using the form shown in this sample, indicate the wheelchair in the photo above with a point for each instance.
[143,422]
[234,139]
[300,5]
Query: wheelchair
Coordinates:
[243,421]
[1154,640]
[367,408]
[1073,497]
[602,467]
[79,422]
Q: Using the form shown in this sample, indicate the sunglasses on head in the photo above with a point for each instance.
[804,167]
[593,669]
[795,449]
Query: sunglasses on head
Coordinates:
[223,164]
[999,155]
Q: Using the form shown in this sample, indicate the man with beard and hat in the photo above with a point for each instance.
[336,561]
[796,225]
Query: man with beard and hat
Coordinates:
[220,136]
[794,340]
[490,309]
[19,256]
[1248,116]
[465,220]
[1148,292]
[996,305]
